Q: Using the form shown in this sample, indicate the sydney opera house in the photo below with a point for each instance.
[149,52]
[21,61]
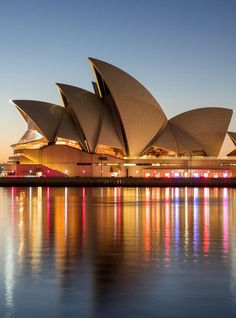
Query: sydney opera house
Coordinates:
[120,130]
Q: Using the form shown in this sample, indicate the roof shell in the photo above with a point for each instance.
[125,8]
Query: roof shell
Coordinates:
[140,114]
[127,116]
[232,136]
[177,140]
[207,126]
[92,115]
[49,119]
[107,135]
[67,128]
[45,116]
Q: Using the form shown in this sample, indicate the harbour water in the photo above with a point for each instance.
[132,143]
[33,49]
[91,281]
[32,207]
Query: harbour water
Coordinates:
[117,252]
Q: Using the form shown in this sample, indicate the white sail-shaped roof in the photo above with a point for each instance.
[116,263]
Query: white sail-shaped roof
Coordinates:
[87,110]
[45,116]
[207,126]
[232,136]
[166,140]
[123,114]
[67,129]
[228,146]
[107,135]
[139,112]
[92,116]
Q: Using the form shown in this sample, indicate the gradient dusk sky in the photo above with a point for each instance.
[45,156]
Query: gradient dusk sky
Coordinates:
[183,51]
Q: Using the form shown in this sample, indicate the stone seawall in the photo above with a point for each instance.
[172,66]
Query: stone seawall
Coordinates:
[115,182]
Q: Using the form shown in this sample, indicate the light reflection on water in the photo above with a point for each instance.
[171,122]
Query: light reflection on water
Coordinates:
[102,252]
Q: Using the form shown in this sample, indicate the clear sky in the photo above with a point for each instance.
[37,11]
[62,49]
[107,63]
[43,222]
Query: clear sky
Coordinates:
[183,51]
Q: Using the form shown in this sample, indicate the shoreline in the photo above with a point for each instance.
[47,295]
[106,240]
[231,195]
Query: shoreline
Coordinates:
[115,182]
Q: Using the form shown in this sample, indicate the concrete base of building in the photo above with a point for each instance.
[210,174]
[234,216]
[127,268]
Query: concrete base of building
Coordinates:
[59,161]
[115,182]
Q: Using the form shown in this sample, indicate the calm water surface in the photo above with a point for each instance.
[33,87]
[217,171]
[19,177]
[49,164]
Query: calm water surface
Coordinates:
[117,252]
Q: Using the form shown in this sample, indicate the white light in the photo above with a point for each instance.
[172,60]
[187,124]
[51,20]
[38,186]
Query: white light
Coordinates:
[129,164]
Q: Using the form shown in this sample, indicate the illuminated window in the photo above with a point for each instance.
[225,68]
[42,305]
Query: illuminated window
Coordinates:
[156,152]
[68,142]
[111,151]
[34,144]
